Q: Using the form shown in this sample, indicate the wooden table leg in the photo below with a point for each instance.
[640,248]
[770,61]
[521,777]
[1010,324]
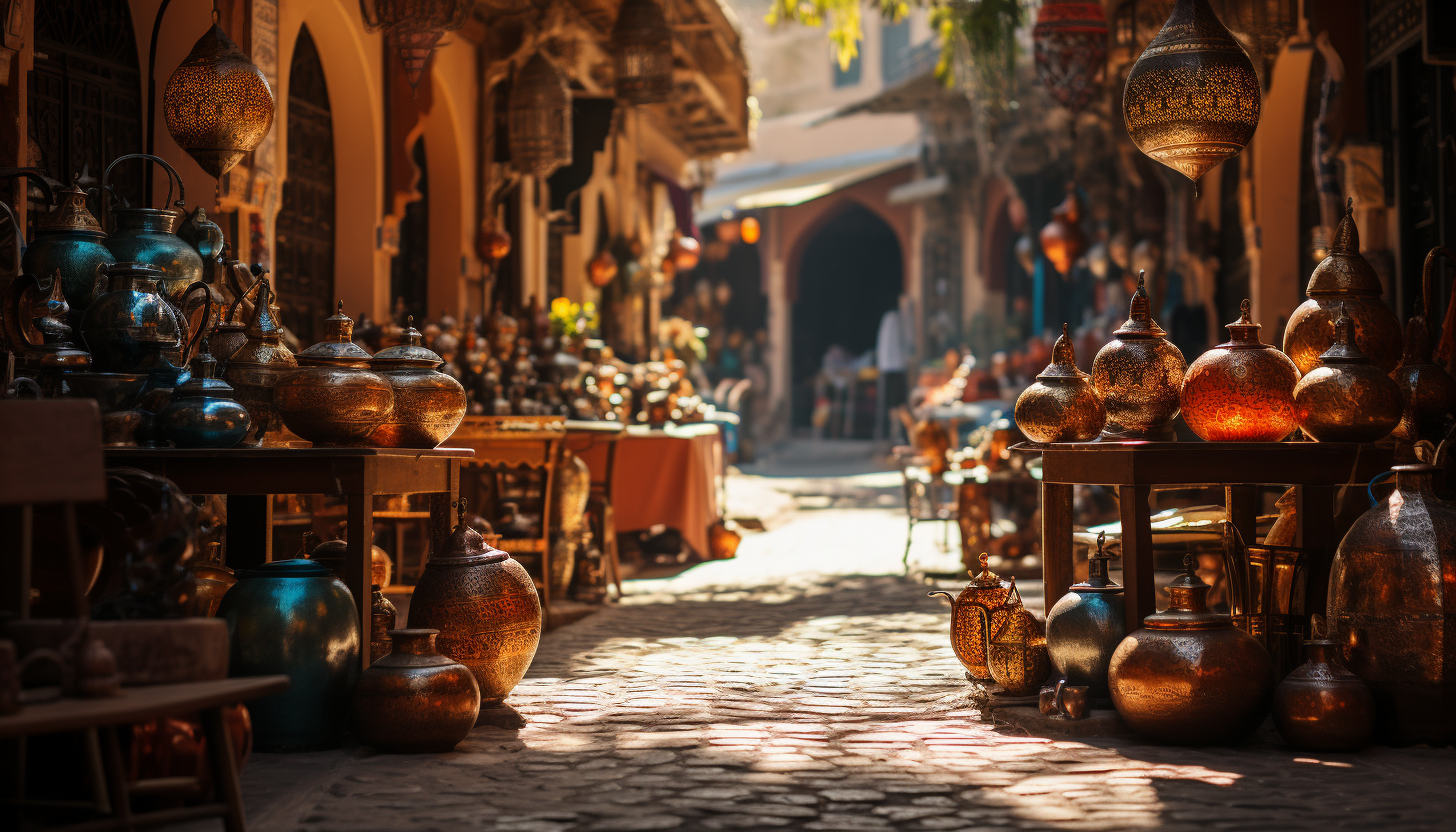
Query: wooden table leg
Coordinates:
[224,768]
[1242,504]
[1314,507]
[1056,541]
[249,530]
[115,768]
[1137,553]
[358,566]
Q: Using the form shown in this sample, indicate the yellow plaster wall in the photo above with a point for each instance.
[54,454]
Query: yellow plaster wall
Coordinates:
[1275,281]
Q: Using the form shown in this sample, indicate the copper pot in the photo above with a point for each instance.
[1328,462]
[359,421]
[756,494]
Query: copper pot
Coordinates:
[414,700]
[428,404]
[254,370]
[333,398]
[1139,375]
[1321,706]
[1189,676]
[1061,406]
[969,634]
[1429,391]
[486,609]
[382,615]
[1241,390]
[1346,398]
[1062,240]
[1344,277]
[1392,608]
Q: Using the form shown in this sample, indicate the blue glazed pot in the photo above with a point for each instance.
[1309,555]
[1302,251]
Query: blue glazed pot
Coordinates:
[70,241]
[202,413]
[293,617]
[1086,625]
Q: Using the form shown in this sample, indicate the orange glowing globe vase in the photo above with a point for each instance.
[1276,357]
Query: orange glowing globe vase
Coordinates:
[749,230]
[1242,390]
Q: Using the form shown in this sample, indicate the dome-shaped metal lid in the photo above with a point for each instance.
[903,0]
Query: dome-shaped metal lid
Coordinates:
[292,568]
[338,346]
[410,353]
[465,546]
[1244,333]
[1140,323]
[1189,607]
[986,577]
[204,381]
[1064,360]
[1344,350]
[1344,270]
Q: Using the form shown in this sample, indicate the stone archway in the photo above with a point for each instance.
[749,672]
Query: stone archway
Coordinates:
[304,273]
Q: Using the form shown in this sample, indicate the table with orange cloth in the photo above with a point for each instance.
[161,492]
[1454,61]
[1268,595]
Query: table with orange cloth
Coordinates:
[665,475]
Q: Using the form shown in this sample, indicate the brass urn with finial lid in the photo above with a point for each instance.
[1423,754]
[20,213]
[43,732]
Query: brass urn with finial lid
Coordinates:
[1343,277]
[256,367]
[969,626]
[1347,398]
[333,398]
[428,404]
[1241,390]
[1189,676]
[1061,405]
[1087,624]
[1139,375]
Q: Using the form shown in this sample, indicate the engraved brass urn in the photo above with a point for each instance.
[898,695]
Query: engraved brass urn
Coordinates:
[414,700]
[1392,609]
[1321,706]
[1428,390]
[968,627]
[428,404]
[488,614]
[1192,99]
[1139,375]
[256,367]
[1344,277]
[1346,398]
[1061,406]
[333,398]
[1189,676]
[1241,390]
[1086,625]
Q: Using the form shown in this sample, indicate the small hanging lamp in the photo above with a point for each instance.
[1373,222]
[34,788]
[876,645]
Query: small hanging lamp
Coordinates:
[1192,100]
[217,104]
[642,53]
[540,118]
[1062,240]
[1069,42]
[414,27]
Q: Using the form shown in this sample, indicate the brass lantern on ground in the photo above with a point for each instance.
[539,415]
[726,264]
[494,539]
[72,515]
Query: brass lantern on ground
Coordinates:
[217,104]
[1192,100]
[540,118]
[414,27]
[642,53]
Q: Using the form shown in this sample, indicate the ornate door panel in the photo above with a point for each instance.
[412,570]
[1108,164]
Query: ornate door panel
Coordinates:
[305,274]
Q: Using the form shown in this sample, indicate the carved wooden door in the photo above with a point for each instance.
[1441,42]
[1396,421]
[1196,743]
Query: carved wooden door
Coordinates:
[305,251]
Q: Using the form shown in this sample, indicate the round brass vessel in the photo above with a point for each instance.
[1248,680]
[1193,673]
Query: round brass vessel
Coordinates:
[1061,406]
[428,404]
[1241,390]
[1189,676]
[333,398]
[414,700]
[1392,609]
[1139,375]
[1346,398]
[1321,706]
[1343,277]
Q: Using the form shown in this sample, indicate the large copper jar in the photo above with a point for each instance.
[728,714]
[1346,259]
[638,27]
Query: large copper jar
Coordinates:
[1085,627]
[428,404]
[255,368]
[486,609]
[1346,398]
[1061,406]
[1139,375]
[1241,390]
[969,633]
[1429,391]
[333,398]
[1344,277]
[1392,609]
[1189,676]
[1321,706]
[414,700]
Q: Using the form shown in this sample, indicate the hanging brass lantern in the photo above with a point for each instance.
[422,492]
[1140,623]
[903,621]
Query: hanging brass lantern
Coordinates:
[1192,100]
[414,27]
[540,118]
[217,103]
[1062,240]
[642,53]
[1069,42]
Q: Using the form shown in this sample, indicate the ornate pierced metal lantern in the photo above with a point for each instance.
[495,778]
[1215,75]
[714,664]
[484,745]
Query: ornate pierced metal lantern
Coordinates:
[414,27]
[217,104]
[642,52]
[1192,100]
[1069,42]
[540,118]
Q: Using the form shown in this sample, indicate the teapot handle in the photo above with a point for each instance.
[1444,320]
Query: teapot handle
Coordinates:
[171,174]
[1428,297]
[19,239]
[35,175]
[194,339]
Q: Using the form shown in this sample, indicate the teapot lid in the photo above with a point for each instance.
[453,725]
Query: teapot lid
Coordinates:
[71,214]
[1098,577]
[1344,350]
[1064,360]
[1189,607]
[410,353]
[338,346]
[1244,333]
[1344,270]
[465,546]
[204,382]
[986,577]
[1140,323]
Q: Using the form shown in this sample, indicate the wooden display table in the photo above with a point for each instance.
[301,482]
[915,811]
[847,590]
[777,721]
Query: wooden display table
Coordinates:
[140,705]
[248,477]
[1316,469]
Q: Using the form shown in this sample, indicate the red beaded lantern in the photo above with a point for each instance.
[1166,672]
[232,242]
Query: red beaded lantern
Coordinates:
[1069,42]
[1242,390]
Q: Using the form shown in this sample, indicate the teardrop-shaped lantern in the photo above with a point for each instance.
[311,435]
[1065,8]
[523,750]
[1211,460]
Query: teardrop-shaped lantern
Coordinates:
[1062,240]
[1069,42]
[1192,100]
[540,118]
[414,27]
[218,105]
[642,53]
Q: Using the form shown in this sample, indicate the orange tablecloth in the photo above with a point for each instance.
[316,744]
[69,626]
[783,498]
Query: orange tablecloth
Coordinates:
[665,476]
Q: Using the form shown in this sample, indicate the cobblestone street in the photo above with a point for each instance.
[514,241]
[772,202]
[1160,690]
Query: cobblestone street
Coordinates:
[805,685]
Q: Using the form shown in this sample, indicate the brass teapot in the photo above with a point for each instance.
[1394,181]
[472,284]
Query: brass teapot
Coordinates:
[995,637]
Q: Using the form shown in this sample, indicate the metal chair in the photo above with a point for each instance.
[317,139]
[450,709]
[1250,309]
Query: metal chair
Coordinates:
[929,498]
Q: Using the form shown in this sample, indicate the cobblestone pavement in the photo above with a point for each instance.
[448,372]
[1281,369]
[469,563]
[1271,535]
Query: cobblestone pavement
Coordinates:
[794,688]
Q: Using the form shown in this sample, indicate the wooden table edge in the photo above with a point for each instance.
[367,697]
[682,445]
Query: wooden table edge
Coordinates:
[136,704]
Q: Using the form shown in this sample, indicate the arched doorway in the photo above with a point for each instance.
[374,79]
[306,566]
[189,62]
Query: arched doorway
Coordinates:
[305,275]
[849,276]
[409,272]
